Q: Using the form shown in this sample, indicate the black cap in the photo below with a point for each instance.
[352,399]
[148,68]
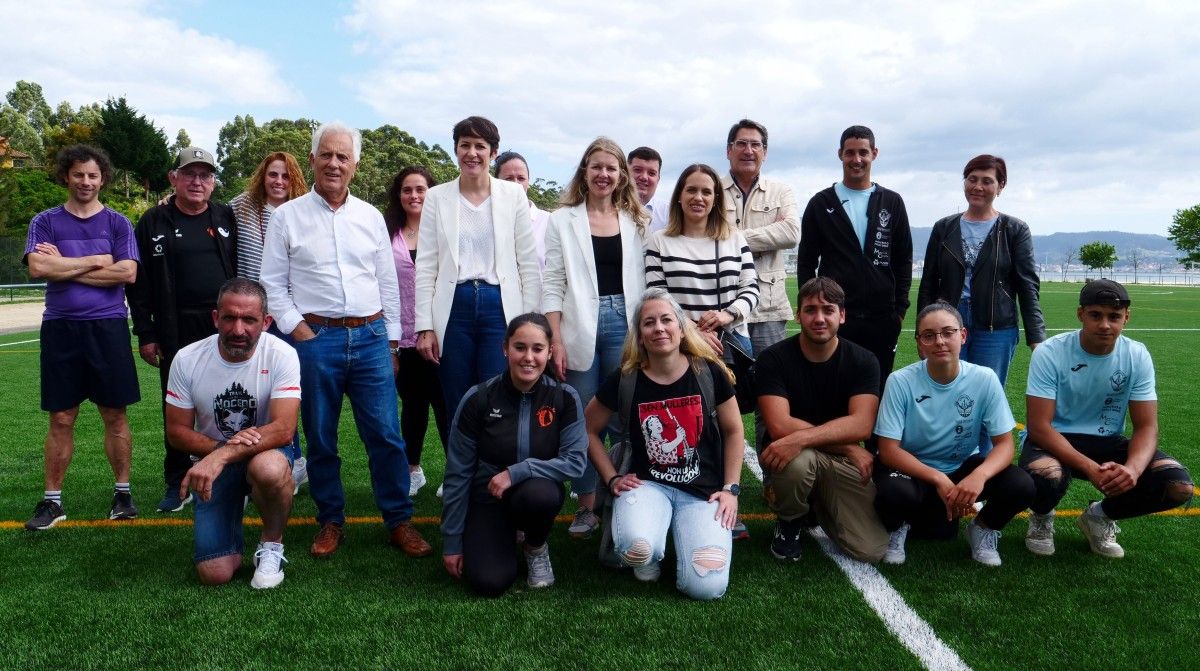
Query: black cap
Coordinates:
[1104,292]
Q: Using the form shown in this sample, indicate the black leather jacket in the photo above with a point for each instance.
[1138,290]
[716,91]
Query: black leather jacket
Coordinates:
[1004,273]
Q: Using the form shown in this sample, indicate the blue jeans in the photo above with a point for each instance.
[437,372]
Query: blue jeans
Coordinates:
[611,327]
[471,348]
[354,362]
[217,530]
[294,448]
[993,349]
[640,521]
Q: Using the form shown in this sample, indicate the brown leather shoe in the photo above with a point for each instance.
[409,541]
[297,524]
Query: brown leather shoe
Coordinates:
[327,541]
[406,537]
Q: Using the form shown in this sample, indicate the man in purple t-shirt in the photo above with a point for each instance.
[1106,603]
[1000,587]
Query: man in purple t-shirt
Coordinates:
[87,254]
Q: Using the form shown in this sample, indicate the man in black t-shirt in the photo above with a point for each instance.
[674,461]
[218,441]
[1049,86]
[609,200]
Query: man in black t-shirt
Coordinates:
[819,396]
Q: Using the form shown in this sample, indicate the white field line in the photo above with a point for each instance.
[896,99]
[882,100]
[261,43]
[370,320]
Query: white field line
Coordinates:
[23,342]
[900,619]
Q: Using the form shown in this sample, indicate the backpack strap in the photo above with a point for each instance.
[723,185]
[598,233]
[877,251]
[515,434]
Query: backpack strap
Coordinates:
[707,391]
[625,399]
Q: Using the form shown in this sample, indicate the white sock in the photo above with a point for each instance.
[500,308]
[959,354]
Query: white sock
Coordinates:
[54,495]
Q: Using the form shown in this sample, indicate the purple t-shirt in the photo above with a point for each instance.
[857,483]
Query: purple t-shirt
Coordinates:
[106,232]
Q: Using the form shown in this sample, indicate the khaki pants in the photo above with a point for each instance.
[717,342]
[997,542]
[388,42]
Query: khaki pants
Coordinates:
[844,506]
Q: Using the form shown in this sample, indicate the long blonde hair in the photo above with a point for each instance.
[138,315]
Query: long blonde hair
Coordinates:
[624,197]
[691,344]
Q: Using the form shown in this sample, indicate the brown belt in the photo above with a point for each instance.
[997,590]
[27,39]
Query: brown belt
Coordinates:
[344,322]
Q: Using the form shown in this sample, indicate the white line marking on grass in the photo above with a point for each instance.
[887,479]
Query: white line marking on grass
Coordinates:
[900,619]
[23,342]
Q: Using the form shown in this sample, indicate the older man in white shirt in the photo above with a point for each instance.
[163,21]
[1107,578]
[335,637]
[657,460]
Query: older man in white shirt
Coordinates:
[331,283]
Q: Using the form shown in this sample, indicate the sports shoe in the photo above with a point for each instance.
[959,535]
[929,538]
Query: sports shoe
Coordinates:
[439,491]
[895,553]
[541,573]
[785,543]
[584,524]
[416,480]
[1100,532]
[1040,537]
[299,474]
[171,503]
[122,507]
[268,562]
[45,515]
[984,544]
[740,532]
[649,573]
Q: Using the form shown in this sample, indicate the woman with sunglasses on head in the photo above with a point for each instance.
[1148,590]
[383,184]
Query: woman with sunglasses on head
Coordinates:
[928,429]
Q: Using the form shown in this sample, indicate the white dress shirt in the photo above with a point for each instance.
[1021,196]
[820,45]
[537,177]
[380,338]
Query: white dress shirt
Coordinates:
[333,263]
[539,219]
[660,210]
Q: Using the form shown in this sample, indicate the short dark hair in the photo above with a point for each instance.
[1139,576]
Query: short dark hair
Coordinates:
[82,153]
[536,318]
[822,287]
[937,306]
[645,154]
[859,132]
[505,158]
[746,123]
[477,126]
[243,287]
[988,162]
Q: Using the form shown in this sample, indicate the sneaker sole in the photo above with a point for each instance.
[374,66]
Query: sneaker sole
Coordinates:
[54,521]
[1117,554]
[540,585]
[784,557]
[1039,550]
[122,516]
[581,535]
[894,561]
[182,505]
[266,584]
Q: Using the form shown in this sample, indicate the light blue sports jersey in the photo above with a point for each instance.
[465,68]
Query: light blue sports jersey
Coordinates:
[1091,393]
[855,201]
[940,423]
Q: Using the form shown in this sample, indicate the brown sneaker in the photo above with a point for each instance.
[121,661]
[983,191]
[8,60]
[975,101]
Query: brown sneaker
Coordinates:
[327,541]
[406,537]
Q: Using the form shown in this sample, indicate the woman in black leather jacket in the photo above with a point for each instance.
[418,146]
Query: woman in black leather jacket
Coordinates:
[981,261]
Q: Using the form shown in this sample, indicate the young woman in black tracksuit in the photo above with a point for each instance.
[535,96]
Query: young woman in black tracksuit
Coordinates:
[515,439]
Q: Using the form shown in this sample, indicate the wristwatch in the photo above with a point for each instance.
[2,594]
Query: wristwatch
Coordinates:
[733,488]
[394,350]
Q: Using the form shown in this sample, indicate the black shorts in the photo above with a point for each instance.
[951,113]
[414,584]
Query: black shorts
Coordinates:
[87,360]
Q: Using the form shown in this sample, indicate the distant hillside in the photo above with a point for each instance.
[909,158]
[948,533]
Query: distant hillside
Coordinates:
[1051,250]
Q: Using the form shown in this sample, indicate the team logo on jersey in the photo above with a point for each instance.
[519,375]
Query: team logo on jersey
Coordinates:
[965,405]
[1078,367]
[885,218]
[224,232]
[495,414]
[923,398]
[234,409]
[1118,380]
[545,416]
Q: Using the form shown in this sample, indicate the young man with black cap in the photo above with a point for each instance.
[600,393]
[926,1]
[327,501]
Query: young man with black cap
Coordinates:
[1081,384]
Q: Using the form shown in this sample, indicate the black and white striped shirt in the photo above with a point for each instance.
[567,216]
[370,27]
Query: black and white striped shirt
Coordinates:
[704,274]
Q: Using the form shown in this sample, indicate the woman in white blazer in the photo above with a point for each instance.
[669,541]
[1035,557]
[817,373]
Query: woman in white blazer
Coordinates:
[477,266]
[594,269]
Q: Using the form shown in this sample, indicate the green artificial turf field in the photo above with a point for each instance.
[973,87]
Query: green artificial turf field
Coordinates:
[106,596]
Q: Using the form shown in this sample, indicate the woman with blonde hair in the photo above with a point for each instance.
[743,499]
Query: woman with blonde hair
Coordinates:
[686,440]
[594,268]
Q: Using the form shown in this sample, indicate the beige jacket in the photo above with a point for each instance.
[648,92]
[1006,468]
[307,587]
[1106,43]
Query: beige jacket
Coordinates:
[770,222]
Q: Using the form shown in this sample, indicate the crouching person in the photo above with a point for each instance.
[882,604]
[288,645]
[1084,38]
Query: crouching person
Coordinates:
[231,404]
[928,427]
[515,439]
[1080,386]
[686,444]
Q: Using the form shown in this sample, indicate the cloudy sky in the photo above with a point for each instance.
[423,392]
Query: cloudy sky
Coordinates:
[1093,104]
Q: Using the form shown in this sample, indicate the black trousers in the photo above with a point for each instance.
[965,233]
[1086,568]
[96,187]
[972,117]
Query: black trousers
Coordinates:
[1161,487]
[194,325]
[489,545]
[419,389]
[902,498]
[877,334]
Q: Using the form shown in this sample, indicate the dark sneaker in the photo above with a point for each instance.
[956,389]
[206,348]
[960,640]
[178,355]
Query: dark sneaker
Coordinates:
[171,503]
[785,544]
[122,507]
[45,515]
[740,532]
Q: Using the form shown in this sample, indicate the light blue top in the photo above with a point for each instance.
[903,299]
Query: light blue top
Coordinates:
[973,235]
[1091,393]
[855,201]
[939,423]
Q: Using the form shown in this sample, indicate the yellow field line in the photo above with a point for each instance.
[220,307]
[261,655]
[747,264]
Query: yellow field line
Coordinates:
[429,520]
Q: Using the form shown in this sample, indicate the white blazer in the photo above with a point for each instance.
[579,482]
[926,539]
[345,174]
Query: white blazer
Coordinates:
[437,255]
[569,284]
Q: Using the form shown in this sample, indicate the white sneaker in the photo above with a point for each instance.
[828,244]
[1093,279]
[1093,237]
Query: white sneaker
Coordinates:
[895,552]
[1100,532]
[299,474]
[1040,537]
[649,573]
[984,544]
[416,480]
[268,562]
[439,491]
[541,573]
[584,524]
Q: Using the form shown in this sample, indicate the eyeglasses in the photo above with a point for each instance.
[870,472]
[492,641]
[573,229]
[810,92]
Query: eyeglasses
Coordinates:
[748,144]
[931,337]
[188,176]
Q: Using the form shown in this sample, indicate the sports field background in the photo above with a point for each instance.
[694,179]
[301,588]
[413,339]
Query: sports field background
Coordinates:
[101,596]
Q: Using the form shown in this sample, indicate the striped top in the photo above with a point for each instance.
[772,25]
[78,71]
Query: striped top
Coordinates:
[703,274]
[252,224]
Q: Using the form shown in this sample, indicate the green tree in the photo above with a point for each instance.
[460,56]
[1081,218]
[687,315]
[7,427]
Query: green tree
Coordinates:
[1098,254]
[27,99]
[545,194]
[135,145]
[23,193]
[242,145]
[182,139]
[385,151]
[1185,233]
[21,136]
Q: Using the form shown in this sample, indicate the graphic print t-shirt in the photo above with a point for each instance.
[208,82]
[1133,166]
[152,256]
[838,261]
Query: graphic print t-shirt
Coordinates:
[229,397]
[674,441]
